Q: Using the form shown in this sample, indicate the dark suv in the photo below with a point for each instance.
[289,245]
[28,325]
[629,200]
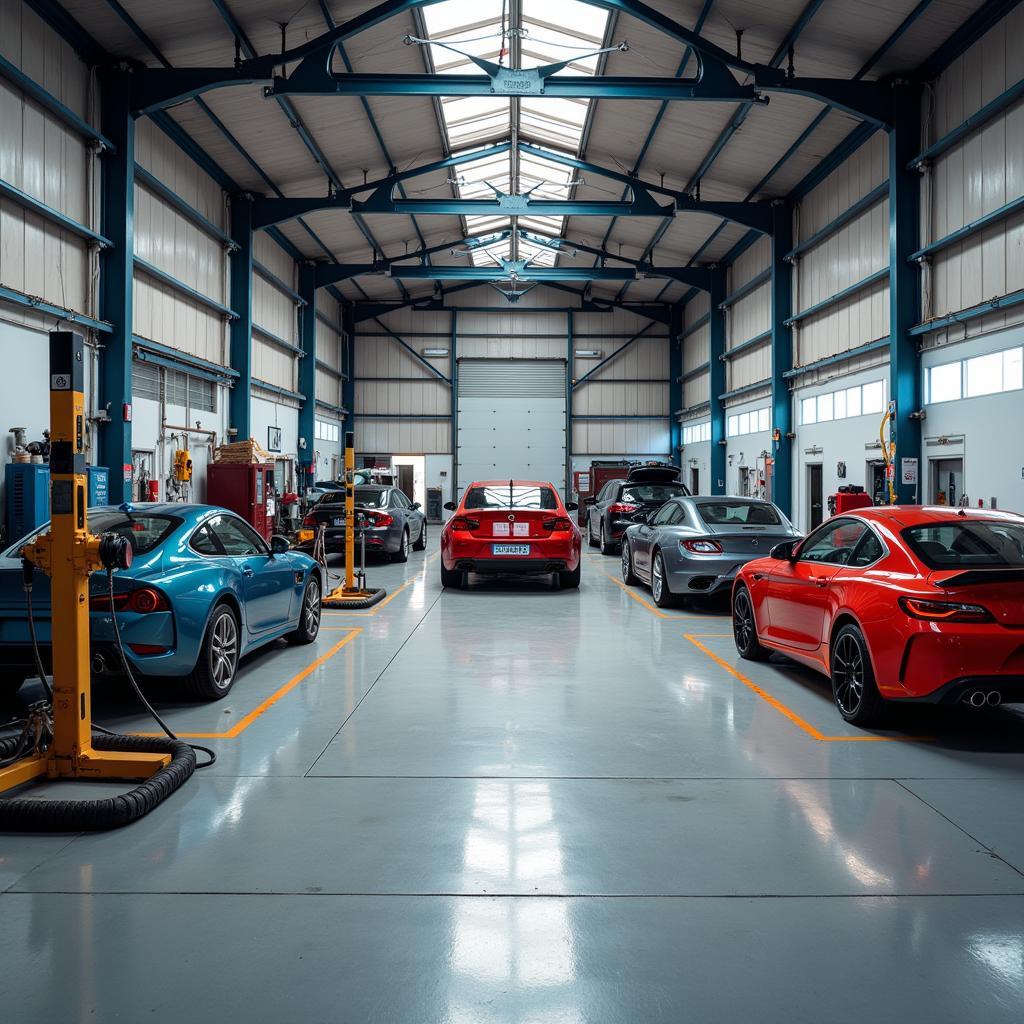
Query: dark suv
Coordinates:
[613,508]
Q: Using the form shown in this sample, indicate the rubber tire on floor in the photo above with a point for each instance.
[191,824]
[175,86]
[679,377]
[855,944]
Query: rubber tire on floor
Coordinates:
[666,599]
[748,647]
[570,579]
[421,540]
[606,547]
[307,632]
[201,682]
[628,576]
[452,578]
[402,554]
[591,539]
[871,710]
[22,814]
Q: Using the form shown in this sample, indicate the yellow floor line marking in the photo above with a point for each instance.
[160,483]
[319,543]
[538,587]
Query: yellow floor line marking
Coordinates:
[788,712]
[653,609]
[244,724]
[377,607]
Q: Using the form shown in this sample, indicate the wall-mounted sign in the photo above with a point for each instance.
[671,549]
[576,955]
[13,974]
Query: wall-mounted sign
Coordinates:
[908,471]
[273,439]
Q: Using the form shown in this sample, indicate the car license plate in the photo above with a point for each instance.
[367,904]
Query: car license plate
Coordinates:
[339,522]
[510,549]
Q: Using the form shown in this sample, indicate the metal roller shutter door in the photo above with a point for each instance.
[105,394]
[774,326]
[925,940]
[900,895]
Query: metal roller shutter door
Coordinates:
[511,418]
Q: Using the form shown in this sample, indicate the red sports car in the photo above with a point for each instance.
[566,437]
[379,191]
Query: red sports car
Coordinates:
[510,526]
[894,604]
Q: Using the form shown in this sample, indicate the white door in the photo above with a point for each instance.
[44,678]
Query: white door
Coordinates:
[511,417]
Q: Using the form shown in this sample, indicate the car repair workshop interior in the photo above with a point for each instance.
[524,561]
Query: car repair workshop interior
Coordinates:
[512,511]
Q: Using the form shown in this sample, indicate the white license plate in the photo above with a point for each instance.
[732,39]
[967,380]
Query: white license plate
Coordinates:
[510,549]
[339,522]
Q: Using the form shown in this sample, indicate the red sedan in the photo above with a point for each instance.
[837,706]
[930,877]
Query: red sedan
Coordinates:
[511,526]
[894,604]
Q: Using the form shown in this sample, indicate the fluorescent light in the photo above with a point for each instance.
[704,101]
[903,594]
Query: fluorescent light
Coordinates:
[436,352]
[588,353]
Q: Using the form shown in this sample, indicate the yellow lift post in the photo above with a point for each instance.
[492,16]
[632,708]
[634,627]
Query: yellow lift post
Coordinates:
[348,595]
[68,553]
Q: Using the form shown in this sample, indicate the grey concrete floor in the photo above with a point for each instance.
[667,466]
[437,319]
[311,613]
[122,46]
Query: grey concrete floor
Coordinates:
[524,806]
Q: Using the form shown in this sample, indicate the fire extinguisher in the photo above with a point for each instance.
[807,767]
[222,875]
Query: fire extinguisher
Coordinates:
[153,486]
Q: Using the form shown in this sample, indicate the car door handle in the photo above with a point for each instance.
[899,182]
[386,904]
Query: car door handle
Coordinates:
[247,571]
[820,581]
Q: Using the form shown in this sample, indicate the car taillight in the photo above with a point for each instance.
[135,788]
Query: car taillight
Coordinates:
[557,525]
[622,509]
[142,601]
[944,611]
[309,520]
[701,547]
[376,519]
[145,649]
[462,523]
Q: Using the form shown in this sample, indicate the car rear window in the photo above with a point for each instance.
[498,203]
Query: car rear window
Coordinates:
[511,497]
[652,492]
[961,545]
[738,513]
[144,531]
[370,498]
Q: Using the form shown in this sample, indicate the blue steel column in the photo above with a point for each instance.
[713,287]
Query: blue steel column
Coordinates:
[716,379]
[348,362]
[904,282]
[782,357]
[116,283]
[570,373]
[675,386]
[453,372]
[240,331]
[307,366]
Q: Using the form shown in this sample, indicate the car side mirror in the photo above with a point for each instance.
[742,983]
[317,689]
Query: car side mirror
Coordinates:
[450,506]
[279,545]
[785,552]
[415,504]
[590,501]
[571,506]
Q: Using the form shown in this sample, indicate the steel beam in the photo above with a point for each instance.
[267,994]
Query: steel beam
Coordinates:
[570,384]
[613,355]
[716,380]
[116,282]
[782,359]
[348,341]
[56,217]
[240,330]
[307,372]
[904,282]
[675,373]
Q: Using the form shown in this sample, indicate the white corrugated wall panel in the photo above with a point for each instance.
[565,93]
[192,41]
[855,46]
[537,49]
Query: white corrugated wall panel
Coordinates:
[403,437]
[749,317]
[695,351]
[983,172]
[273,309]
[851,254]
[272,364]
[162,314]
[42,157]
[628,437]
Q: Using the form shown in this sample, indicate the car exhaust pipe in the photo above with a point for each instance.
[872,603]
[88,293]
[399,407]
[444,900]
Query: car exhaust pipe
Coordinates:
[976,698]
[99,664]
[994,699]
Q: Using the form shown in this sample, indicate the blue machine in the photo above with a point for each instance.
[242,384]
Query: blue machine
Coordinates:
[28,498]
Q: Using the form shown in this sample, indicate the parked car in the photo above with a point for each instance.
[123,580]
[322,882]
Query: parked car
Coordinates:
[894,604]
[611,512]
[393,524]
[694,546]
[204,589]
[515,527]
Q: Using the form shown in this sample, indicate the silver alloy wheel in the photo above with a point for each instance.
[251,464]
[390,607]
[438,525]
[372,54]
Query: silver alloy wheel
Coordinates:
[657,577]
[743,621]
[405,543]
[311,609]
[848,674]
[625,562]
[224,650]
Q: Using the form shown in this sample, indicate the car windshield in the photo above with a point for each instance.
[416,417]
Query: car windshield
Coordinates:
[738,513]
[144,531]
[968,543]
[511,497]
[651,493]
[369,497]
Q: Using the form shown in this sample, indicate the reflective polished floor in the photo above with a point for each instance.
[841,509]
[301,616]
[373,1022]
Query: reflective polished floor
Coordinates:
[519,805]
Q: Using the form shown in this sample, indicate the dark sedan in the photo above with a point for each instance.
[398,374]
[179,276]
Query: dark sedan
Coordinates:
[393,524]
[614,508]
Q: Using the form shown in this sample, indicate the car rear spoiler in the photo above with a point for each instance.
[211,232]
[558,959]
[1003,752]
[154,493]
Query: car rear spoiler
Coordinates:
[973,577]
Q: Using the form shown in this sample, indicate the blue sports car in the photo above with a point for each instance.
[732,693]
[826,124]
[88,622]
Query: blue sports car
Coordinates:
[203,590]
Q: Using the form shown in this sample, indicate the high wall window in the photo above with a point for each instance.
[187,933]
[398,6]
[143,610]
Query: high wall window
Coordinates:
[694,433]
[328,431]
[991,374]
[179,388]
[748,422]
[845,403]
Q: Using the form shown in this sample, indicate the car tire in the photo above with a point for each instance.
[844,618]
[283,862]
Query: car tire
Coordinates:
[606,547]
[421,540]
[215,671]
[628,576]
[744,628]
[402,554]
[853,679]
[570,579]
[13,681]
[309,615]
[452,578]
[591,539]
[660,590]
